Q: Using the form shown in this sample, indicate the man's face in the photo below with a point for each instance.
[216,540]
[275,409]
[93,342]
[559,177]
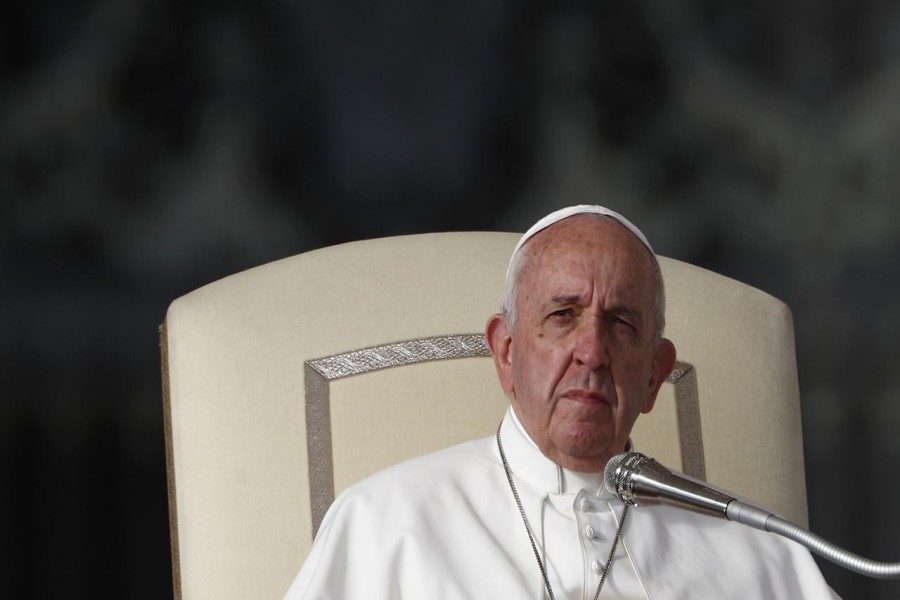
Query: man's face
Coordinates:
[581,363]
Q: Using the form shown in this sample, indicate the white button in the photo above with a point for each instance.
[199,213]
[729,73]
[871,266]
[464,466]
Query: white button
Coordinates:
[596,567]
[590,533]
[585,505]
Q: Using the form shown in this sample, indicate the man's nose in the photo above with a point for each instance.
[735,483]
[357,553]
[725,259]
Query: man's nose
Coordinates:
[591,349]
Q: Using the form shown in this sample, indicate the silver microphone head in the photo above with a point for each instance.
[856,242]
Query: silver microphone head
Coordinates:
[617,476]
[637,479]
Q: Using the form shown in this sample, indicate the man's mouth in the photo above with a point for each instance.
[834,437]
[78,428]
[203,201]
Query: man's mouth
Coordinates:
[586,396]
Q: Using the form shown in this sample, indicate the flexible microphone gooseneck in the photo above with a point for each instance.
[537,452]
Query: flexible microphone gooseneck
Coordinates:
[635,478]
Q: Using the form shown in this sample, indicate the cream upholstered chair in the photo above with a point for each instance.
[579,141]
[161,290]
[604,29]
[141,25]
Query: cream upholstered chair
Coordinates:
[277,394]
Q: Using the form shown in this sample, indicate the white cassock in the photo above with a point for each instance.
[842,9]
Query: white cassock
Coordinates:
[446,526]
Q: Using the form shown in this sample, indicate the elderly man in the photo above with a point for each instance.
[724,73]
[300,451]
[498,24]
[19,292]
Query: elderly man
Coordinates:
[579,350]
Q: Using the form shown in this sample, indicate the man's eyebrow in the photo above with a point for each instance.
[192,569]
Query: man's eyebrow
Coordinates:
[618,309]
[565,299]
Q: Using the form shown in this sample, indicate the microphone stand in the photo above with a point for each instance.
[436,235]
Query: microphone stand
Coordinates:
[761,519]
[632,476]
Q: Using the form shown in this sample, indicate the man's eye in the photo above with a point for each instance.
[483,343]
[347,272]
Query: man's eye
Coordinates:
[562,313]
[619,322]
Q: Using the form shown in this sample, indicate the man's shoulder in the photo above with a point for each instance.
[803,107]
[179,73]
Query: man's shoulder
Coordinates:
[441,472]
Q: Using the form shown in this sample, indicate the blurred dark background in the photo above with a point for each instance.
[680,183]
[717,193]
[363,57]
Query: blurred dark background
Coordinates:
[148,148]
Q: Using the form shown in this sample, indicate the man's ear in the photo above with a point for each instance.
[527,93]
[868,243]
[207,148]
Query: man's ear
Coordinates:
[496,333]
[663,363]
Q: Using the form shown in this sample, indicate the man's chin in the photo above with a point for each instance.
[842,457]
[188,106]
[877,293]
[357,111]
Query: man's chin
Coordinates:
[591,449]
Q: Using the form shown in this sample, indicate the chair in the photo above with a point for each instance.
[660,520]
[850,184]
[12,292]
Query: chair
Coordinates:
[277,394]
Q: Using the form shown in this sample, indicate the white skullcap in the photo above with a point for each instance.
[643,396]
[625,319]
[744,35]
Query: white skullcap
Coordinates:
[565,213]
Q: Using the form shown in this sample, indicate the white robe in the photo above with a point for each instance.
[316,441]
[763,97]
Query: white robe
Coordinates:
[445,526]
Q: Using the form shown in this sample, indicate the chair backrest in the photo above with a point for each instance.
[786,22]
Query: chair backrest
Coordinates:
[286,383]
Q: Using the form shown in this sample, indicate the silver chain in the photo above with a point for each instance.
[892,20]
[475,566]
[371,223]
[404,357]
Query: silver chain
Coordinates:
[537,555]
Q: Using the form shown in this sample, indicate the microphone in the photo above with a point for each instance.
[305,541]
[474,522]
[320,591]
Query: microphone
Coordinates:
[634,478]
